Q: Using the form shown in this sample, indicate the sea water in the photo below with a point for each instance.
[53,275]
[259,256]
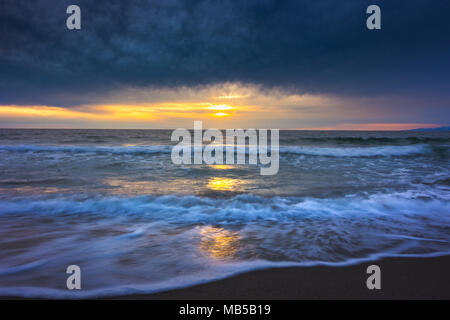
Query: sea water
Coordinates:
[113,203]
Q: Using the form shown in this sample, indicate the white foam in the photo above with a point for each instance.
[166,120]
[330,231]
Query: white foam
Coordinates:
[380,224]
[187,210]
[89,149]
[358,151]
[221,272]
[301,150]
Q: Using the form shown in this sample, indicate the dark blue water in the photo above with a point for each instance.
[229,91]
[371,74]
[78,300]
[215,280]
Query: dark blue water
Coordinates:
[112,202]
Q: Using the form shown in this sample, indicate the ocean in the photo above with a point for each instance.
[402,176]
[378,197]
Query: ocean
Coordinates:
[113,203]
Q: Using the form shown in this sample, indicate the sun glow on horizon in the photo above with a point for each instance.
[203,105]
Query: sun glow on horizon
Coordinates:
[221,114]
[220,107]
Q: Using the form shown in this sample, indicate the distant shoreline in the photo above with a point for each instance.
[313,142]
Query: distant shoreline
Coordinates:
[438,129]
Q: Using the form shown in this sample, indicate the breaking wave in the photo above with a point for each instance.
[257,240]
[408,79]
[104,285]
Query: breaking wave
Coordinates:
[285,231]
[88,149]
[303,150]
[386,151]
[241,208]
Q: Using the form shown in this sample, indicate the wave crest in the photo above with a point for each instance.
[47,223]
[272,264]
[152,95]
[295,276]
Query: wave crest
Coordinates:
[386,151]
[302,150]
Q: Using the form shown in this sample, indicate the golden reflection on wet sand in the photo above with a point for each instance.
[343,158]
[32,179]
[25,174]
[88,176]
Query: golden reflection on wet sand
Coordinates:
[219,243]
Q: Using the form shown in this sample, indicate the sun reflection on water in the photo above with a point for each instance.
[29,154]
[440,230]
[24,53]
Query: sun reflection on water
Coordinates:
[219,243]
[221,166]
[222,184]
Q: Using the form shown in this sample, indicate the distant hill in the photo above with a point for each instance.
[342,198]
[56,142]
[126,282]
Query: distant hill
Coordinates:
[446,128]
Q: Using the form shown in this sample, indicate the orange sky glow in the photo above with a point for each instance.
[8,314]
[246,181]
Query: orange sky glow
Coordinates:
[229,106]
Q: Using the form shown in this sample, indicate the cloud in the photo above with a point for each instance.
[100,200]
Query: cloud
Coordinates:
[313,47]
[244,106]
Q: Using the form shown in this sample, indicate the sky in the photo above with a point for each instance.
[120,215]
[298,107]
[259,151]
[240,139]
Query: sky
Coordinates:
[251,64]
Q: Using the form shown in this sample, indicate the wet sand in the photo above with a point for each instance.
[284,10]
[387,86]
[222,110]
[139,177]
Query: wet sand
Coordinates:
[401,278]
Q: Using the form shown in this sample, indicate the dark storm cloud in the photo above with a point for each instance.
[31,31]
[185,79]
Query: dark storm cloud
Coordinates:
[306,46]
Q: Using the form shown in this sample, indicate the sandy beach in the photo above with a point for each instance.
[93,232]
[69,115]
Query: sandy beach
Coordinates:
[402,278]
